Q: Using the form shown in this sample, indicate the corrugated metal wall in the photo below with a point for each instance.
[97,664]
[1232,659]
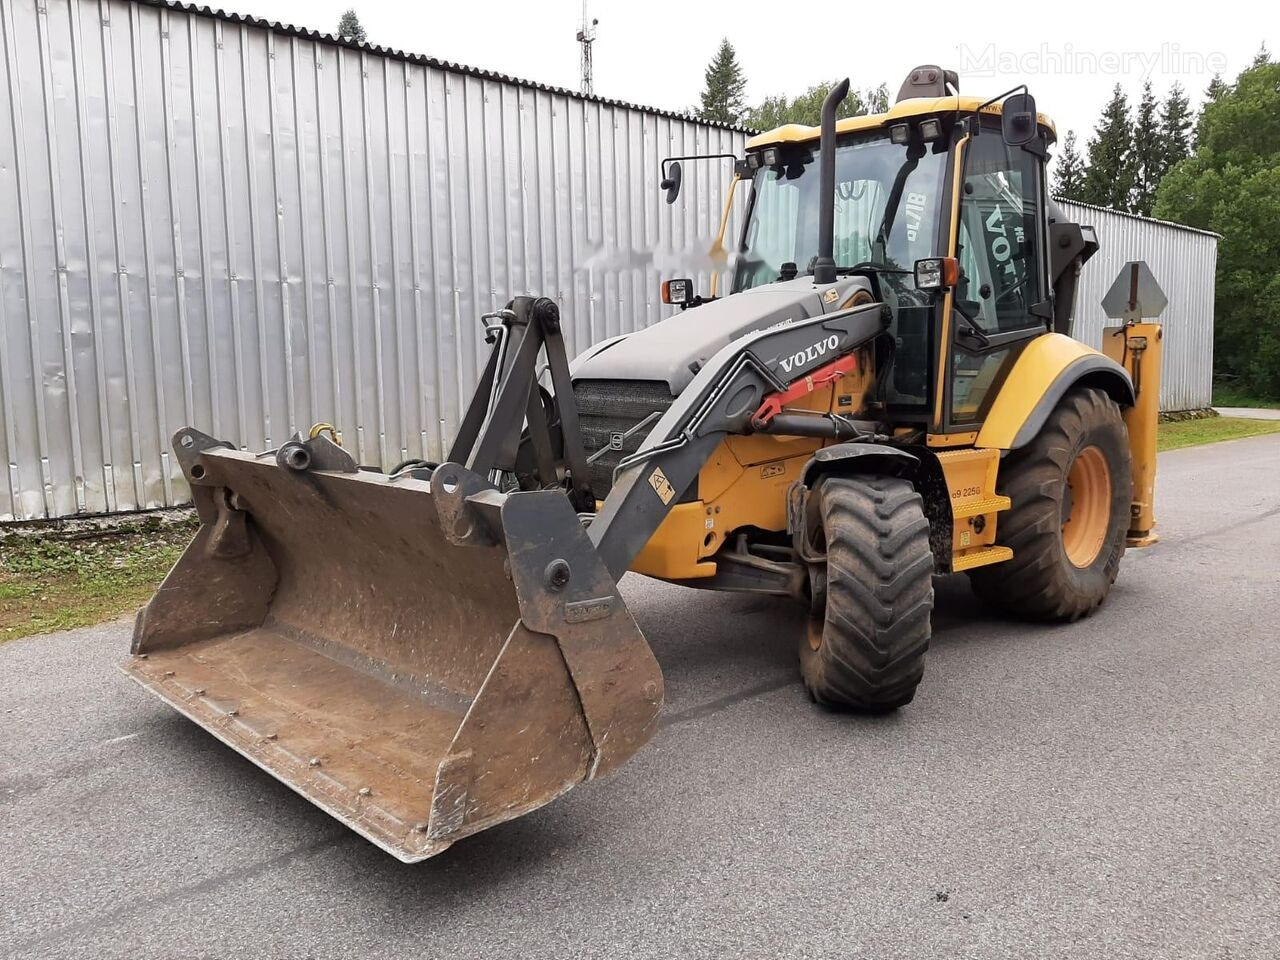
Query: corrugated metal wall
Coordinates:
[1183,260]
[211,223]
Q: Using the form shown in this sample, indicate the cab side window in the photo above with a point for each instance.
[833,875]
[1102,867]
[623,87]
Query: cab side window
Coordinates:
[1001,276]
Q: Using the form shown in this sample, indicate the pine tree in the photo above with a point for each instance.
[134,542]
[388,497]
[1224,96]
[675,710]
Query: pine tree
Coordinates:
[1109,178]
[1176,118]
[1068,178]
[349,28]
[1216,91]
[1148,154]
[723,99]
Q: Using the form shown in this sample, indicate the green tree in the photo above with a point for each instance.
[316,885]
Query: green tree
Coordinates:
[1216,90]
[1109,178]
[807,107]
[1068,177]
[1148,153]
[878,99]
[1231,185]
[723,99]
[349,28]
[1176,119]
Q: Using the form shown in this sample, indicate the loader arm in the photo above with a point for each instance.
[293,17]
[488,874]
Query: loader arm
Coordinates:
[721,400]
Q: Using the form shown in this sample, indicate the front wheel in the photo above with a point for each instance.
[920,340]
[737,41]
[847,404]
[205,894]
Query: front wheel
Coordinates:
[1070,490]
[864,649]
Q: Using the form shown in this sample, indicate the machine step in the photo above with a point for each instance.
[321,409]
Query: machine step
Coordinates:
[979,558]
[977,508]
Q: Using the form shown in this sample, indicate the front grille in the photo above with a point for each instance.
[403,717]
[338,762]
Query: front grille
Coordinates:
[607,410]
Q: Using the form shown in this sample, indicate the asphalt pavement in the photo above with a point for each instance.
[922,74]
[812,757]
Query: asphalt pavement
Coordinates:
[1104,789]
[1250,413]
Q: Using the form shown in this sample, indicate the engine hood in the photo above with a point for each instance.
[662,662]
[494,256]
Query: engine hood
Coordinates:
[674,349]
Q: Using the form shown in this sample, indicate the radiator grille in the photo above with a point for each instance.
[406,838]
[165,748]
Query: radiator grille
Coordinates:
[607,409]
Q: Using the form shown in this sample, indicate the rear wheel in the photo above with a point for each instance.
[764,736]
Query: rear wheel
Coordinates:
[1070,489]
[864,647]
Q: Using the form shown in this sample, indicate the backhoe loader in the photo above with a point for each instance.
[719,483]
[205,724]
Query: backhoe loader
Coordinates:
[887,392]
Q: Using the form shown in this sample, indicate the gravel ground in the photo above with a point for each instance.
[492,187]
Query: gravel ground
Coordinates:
[1107,789]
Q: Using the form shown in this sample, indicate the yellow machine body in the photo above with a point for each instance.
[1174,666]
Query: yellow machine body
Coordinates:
[1136,347]
[744,484]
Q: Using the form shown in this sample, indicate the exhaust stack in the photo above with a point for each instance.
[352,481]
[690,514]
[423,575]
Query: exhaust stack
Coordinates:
[824,268]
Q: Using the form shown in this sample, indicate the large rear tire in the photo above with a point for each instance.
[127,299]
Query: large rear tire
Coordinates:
[1070,488]
[865,649]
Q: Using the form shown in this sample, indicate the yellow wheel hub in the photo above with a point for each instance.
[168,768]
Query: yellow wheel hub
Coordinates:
[1087,507]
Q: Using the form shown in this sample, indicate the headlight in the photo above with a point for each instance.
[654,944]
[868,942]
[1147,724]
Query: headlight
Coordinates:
[934,273]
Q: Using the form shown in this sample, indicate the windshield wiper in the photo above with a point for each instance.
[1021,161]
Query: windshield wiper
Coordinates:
[881,243]
[974,330]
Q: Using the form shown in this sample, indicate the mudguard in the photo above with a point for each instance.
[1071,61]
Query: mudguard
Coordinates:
[1049,366]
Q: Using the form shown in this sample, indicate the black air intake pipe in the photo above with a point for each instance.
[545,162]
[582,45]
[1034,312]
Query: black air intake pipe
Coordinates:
[824,268]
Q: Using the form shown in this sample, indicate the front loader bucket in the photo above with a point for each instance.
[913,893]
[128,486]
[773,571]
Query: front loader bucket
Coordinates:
[421,659]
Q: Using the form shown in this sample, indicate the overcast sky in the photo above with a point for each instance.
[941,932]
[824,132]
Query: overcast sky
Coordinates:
[653,52]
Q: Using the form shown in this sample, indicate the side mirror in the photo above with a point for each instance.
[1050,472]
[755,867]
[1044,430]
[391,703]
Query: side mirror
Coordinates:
[671,182]
[1018,119]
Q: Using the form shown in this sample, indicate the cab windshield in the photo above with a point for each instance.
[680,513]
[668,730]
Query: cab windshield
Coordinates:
[888,214]
[888,202]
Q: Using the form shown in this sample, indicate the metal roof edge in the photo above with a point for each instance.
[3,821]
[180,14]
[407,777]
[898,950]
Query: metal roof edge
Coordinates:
[448,66]
[1138,216]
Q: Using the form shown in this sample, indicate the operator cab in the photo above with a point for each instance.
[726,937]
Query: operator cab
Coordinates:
[933,179]
[940,204]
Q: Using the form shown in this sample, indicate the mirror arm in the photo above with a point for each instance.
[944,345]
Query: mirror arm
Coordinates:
[697,156]
[998,97]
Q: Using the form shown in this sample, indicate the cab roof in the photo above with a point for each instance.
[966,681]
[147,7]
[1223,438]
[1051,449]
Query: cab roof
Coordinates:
[903,109]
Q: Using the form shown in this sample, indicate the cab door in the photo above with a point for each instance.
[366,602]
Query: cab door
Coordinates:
[1001,301]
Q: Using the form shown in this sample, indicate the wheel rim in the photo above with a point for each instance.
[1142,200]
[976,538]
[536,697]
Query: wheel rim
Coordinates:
[815,629]
[1086,507]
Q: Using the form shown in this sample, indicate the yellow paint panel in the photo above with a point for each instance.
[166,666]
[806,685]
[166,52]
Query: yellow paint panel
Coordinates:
[971,485]
[735,495]
[1137,347]
[718,255]
[980,558]
[965,439]
[953,247]
[743,483]
[1035,370]
[672,552]
[917,106]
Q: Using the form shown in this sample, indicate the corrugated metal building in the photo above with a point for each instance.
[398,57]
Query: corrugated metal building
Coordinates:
[217,221]
[1184,261]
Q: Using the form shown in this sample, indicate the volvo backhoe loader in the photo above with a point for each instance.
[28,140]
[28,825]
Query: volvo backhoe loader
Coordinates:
[887,392]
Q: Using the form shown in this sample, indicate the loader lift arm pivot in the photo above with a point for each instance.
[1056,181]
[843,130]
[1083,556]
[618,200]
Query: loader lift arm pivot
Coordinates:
[508,396]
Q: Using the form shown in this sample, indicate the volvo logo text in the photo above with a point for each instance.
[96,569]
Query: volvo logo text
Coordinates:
[810,353]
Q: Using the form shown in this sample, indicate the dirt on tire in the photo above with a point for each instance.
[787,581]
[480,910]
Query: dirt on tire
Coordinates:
[866,651]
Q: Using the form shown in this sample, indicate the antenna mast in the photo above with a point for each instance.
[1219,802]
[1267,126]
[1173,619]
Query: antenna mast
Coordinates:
[586,37]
